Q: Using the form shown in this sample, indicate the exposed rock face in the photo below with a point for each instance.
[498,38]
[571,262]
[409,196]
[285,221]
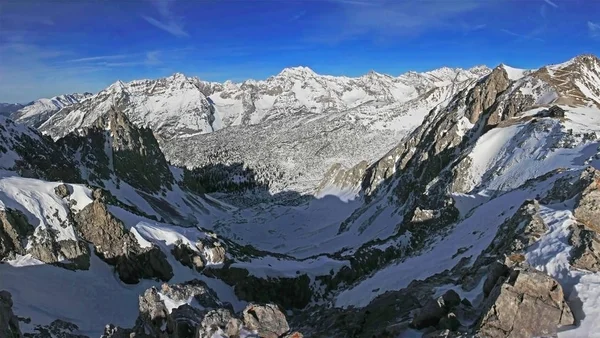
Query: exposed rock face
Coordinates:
[267,320]
[587,209]
[204,317]
[9,323]
[214,252]
[30,154]
[485,95]
[48,249]
[528,303]
[586,248]
[188,257]
[113,146]
[14,230]
[118,247]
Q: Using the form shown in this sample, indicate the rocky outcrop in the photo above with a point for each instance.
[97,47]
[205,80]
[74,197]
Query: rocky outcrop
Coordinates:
[527,303]
[69,253]
[267,320]
[214,252]
[62,190]
[585,253]
[14,230]
[188,257]
[113,148]
[118,247]
[200,315]
[587,209]
[9,323]
[484,96]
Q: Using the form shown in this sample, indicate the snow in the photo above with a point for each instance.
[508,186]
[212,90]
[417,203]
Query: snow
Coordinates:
[37,200]
[474,233]
[514,74]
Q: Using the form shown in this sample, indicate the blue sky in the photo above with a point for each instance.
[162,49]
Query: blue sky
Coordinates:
[51,47]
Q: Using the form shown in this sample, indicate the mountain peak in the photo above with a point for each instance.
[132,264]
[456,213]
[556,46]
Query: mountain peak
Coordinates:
[298,71]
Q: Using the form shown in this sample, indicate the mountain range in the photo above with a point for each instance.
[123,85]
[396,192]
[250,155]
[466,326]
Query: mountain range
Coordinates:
[449,203]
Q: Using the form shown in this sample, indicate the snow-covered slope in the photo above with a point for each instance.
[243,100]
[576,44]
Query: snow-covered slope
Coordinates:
[38,111]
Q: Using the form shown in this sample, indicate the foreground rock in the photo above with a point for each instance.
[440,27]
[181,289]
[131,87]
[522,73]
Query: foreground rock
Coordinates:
[9,324]
[526,303]
[192,310]
[118,247]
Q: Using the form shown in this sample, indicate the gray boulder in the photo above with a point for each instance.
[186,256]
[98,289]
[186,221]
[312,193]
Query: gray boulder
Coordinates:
[62,190]
[266,319]
[528,303]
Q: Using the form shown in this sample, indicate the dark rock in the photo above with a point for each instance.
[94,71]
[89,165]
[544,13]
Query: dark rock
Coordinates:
[495,271]
[585,253]
[435,309]
[9,323]
[529,303]
[287,292]
[449,322]
[556,112]
[267,320]
[62,190]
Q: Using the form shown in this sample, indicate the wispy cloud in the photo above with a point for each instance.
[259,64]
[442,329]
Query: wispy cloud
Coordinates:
[531,36]
[551,3]
[382,19]
[593,30]
[167,20]
[101,58]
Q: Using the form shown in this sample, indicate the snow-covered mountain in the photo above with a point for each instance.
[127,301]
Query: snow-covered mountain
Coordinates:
[180,105]
[481,221]
[38,111]
[290,128]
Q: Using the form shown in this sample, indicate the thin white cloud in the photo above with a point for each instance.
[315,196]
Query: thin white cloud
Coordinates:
[101,58]
[355,2]
[166,20]
[551,3]
[593,29]
[384,19]
[533,35]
